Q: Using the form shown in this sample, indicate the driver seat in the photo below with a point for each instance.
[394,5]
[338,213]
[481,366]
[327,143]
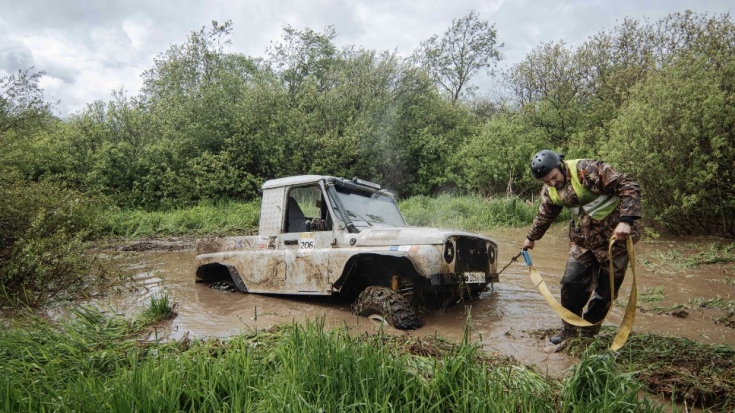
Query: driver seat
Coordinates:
[296,221]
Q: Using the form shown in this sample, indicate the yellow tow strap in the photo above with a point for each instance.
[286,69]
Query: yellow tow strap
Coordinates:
[625,326]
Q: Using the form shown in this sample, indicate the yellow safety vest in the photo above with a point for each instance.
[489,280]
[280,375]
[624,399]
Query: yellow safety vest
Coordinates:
[595,205]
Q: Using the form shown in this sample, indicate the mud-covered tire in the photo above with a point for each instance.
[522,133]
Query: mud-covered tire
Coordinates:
[227,286]
[398,311]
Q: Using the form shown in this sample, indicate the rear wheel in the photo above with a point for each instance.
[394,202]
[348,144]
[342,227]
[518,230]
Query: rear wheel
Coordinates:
[396,309]
[228,286]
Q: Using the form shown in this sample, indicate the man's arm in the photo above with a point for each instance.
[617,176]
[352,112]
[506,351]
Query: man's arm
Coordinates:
[547,214]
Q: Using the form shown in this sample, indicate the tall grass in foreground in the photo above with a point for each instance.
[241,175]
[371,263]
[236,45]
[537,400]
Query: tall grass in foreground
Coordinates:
[597,385]
[676,368]
[94,363]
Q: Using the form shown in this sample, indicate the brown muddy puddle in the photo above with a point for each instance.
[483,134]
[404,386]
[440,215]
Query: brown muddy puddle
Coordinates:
[505,319]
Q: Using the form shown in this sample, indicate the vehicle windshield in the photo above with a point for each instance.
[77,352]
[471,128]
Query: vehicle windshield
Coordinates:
[370,209]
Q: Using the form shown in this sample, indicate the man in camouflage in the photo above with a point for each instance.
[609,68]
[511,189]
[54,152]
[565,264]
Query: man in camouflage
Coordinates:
[603,203]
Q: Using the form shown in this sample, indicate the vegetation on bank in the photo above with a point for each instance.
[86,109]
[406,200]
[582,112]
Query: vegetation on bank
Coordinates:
[99,362]
[676,368]
[208,218]
[471,213]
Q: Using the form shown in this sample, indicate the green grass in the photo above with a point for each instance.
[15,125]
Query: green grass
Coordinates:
[597,384]
[651,294]
[716,303]
[159,308]
[207,218]
[646,295]
[96,362]
[692,373]
[471,213]
[714,253]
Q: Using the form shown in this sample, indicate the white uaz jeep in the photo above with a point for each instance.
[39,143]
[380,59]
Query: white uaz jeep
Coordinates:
[323,235]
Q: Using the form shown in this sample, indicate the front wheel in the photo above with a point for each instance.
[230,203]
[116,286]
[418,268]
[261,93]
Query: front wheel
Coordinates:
[396,309]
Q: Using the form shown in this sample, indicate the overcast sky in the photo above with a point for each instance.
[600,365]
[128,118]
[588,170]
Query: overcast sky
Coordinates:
[90,48]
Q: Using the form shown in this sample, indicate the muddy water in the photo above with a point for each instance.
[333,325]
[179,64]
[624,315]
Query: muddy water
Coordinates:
[502,320]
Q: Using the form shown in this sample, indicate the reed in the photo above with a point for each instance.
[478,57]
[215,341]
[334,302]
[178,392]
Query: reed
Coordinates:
[94,362]
[159,308]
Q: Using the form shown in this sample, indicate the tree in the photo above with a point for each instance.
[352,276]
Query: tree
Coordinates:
[25,118]
[304,55]
[546,86]
[467,46]
[495,161]
[675,135]
[22,103]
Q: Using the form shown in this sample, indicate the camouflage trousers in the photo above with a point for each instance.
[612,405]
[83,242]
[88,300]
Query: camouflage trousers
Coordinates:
[586,282]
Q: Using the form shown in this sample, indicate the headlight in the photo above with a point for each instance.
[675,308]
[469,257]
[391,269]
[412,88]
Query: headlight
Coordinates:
[491,254]
[448,252]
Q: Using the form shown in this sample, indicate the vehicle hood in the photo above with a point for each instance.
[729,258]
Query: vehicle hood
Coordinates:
[409,236]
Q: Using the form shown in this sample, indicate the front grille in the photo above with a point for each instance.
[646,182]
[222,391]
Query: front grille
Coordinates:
[472,255]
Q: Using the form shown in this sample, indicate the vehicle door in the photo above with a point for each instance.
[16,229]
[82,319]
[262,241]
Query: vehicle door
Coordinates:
[307,240]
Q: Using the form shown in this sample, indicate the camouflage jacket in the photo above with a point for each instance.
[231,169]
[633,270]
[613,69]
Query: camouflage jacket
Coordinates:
[586,233]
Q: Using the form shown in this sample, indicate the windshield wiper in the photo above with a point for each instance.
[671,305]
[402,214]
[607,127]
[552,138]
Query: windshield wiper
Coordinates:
[349,212]
[378,218]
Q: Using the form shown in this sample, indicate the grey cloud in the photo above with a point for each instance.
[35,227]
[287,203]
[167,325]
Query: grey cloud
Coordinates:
[15,56]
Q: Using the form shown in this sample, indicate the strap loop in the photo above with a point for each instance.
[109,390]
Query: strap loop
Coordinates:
[628,319]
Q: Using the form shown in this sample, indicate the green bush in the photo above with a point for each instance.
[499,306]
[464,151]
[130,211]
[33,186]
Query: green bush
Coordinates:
[43,229]
[675,135]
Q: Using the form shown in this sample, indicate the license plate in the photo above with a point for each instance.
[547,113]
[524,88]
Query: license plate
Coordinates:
[474,277]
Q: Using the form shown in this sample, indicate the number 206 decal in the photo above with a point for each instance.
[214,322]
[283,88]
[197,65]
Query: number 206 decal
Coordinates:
[306,242]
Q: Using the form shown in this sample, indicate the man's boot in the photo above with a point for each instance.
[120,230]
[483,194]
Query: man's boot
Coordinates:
[568,331]
[590,331]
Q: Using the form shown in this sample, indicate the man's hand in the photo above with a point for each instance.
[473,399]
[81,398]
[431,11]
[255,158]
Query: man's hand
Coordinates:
[622,231]
[528,244]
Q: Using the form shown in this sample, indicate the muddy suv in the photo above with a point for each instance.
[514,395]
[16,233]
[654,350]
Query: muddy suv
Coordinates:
[323,235]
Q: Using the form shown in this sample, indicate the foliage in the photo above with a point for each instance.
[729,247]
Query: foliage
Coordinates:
[698,375]
[469,213]
[675,135]
[468,45]
[495,161]
[597,384]
[206,218]
[22,105]
[547,85]
[160,308]
[655,99]
[93,362]
[715,253]
[43,230]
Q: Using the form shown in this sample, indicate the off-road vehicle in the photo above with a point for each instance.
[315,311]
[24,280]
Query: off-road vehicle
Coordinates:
[324,235]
